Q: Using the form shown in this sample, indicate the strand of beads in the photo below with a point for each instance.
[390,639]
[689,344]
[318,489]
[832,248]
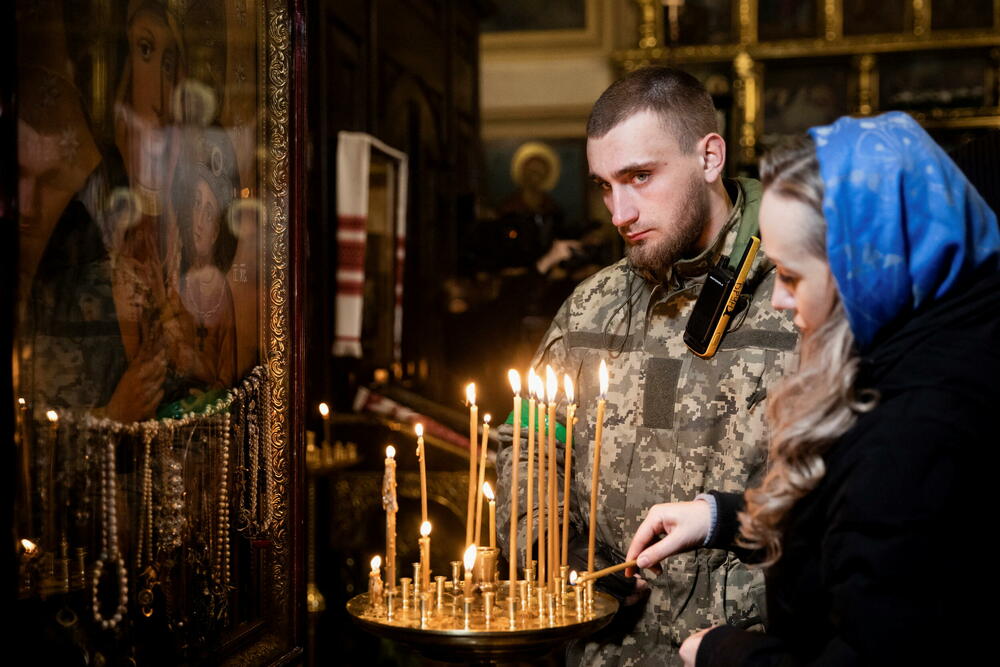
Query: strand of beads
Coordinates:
[223,532]
[109,540]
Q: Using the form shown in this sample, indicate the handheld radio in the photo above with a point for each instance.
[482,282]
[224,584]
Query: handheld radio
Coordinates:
[719,295]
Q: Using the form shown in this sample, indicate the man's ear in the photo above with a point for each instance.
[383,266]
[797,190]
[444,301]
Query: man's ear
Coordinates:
[712,150]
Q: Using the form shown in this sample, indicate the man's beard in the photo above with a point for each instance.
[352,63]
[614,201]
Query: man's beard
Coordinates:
[656,259]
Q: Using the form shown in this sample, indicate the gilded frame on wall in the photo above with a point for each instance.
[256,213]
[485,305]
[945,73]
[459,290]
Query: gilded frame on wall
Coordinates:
[587,36]
[868,52]
[154,143]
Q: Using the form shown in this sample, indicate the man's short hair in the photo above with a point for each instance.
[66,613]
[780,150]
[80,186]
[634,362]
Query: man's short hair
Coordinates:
[682,102]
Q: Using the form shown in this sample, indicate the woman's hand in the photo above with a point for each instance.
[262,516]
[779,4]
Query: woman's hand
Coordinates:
[685,525]
[689,649]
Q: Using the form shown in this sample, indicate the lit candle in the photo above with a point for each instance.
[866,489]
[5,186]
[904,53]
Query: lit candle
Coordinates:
[419,428]
[470,397]
[49,520]
[568,465]
[530,500]
[551,389]
[488,492]
[324,411]
[515,385]
[469,560]
[542,543]
[595,473]
[391,507]
[375,582]
[482,479]
[425,556]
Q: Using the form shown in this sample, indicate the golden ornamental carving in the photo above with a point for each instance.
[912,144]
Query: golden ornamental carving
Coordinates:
[647,24]
[921,18]
[867,84]
[278,39]
[747,100]
[833,19]
[748,21]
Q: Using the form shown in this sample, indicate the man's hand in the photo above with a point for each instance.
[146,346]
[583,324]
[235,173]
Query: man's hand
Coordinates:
[685,525]
[689,649]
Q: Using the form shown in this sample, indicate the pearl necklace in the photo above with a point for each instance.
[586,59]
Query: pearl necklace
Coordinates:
[109,541]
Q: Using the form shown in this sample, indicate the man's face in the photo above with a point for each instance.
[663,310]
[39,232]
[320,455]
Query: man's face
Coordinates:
[656,193]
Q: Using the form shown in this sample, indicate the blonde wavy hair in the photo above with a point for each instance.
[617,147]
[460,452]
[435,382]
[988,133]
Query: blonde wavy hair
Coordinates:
[809,410]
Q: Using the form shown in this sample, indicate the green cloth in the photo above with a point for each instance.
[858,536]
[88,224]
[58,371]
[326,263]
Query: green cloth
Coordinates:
[196,403]
[560,428]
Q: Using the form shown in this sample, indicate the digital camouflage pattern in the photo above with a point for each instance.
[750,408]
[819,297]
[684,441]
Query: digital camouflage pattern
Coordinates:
[675,425]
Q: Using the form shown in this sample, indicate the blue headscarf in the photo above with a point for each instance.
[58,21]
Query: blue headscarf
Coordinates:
[904,225]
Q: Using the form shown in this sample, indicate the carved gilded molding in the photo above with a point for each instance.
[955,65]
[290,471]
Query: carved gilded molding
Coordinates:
[648,24]
[748,21]
[278,360]
[273,134]
[867,78]
[921,18]
[747,88]
[833,19]
[854,45]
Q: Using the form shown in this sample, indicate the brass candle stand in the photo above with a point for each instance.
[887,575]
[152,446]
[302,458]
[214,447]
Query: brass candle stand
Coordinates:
[488,626]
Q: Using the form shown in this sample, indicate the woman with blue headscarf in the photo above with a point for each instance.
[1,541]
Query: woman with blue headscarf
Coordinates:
[889,259]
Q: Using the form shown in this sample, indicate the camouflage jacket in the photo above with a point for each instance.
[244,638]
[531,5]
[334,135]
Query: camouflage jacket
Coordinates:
[675,425]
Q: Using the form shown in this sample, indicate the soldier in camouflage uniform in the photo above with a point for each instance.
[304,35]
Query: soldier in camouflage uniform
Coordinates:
[675,424]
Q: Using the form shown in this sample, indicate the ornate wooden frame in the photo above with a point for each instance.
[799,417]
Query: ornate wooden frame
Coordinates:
[277,636]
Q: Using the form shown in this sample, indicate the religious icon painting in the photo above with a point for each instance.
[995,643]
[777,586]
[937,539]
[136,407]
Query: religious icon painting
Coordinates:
[789,19]
[797,98]
[152,144]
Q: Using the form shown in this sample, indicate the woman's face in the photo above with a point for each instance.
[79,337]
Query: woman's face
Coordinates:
[153,55]
[204,222]
[804,283]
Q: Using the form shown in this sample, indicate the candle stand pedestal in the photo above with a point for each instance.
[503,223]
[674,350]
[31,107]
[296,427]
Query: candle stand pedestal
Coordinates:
[447,634]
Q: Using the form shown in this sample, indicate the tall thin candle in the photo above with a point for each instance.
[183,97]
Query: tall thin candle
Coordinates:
[551,388]
[391,507]
[529,506]
[482,478]
[542,495]
[419,429]
[515,385]
[324,412]
[470,397]
[595,473]
[425,556]
[568,465]
[488,492]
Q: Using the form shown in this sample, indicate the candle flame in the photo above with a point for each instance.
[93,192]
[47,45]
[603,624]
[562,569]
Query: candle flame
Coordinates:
[537,388]
[515,381]
[390,452]
[21,401]
[29,546]
[470,393]
[376,563]
[487,418]
[531,379]
[469,558]
[603,373]
[53,416]
[488,491]
[551,384]
[568,388]
[419,430]
[425,529]
[573,577]
[324,410]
